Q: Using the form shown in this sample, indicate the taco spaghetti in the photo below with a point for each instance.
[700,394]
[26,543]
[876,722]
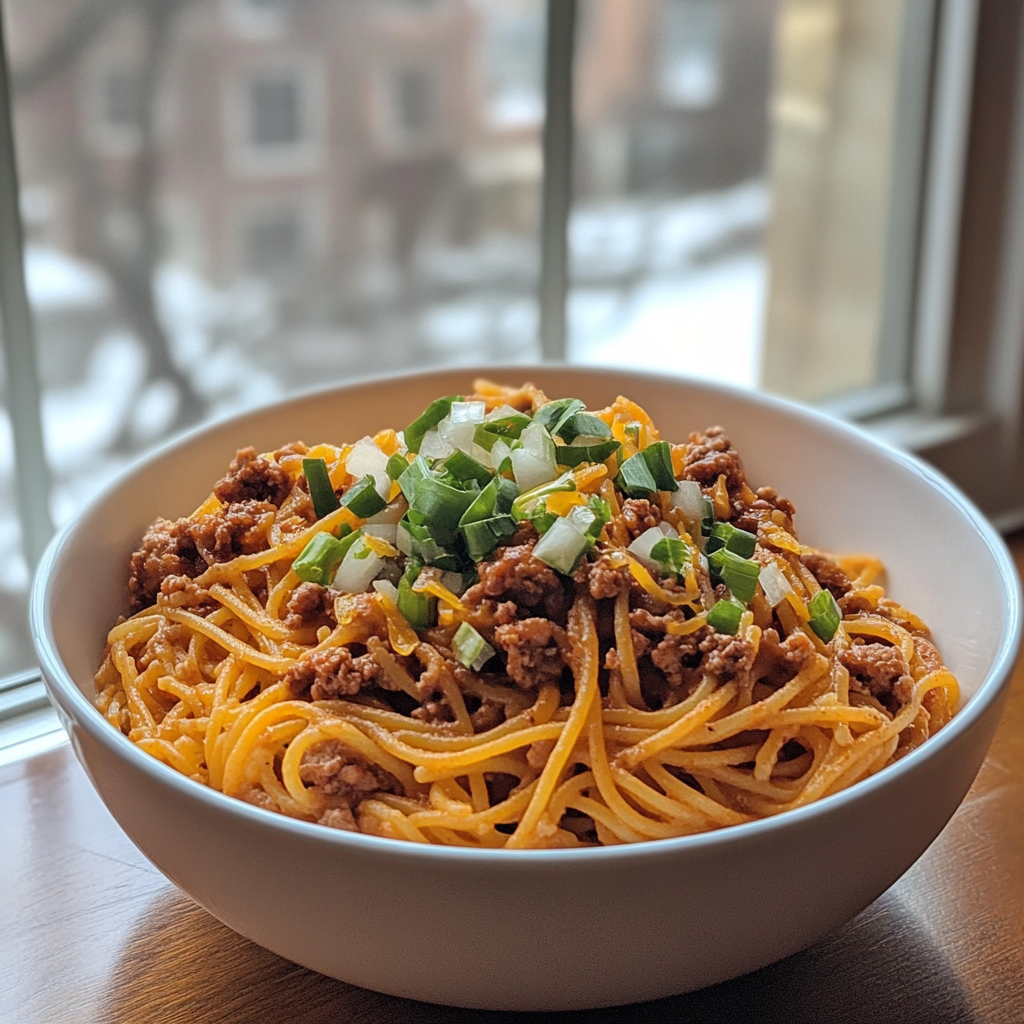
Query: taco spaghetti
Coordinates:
[517,623]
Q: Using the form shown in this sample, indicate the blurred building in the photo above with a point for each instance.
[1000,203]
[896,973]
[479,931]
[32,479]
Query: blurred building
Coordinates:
[317,144]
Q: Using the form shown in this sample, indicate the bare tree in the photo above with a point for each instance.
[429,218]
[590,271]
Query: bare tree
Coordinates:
[131,259]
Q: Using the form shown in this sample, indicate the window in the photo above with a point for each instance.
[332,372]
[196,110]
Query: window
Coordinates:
[275,241]
[259,19]
[409,107]
[275,114]
[690,53]
[275,111]
[804,195]
[114,109]
[511,75]
[413,102]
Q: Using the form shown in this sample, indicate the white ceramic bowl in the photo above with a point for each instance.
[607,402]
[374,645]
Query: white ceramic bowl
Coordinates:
[552,929]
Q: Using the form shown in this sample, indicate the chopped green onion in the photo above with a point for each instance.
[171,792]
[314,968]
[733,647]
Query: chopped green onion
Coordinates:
[584,424]
[602,515]
[465,468]
[562,546]
[483,535]
[542,519]
[725,535]
[362,499]
[417,540]
[319,558]
[470,648]
[441,504]
[632,431]
[738,574]
[510,426]
[495,499]
[416,471]
[417,608]
[658,457]
[673,555]
[707,523]
[576,455]
[635,476]
[396,466]
[430,417]
[321,490]
[825,615]
[555,415]
[724,617]
[525,504]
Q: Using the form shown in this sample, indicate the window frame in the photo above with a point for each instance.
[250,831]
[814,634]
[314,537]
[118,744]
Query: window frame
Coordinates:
[960,401]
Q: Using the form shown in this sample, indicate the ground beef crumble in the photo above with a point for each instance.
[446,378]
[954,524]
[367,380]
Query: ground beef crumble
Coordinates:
[637,516]
[877,669]
[537,651]
[827,573]
[188,546]
[333,673]
[181,592]
[711,454]
[602,579]
[253,477]
[345,777]
[310,604]
[514,575]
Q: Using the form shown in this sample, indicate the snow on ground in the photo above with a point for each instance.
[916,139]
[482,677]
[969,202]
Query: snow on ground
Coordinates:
[706,324]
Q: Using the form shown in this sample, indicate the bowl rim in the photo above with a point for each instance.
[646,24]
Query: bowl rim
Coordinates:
[64,691]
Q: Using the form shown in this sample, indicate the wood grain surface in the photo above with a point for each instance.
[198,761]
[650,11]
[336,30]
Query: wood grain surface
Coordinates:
[91,932]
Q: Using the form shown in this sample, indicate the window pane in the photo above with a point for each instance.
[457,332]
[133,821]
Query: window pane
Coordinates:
[667,237]
[746,188]
[226,200]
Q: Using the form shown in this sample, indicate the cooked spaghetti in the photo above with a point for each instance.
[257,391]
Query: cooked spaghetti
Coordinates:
[518,623]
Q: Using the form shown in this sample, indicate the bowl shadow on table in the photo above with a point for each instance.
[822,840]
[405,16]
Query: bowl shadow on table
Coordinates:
[180,966]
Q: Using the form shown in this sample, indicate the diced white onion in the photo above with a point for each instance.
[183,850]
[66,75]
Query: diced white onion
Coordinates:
[386,531]
[530,471]
[774,584]
[468,412]
[581,516]
[499,453]
[668,529]
[391,513]
[501,412]
[642,546]
[561,545]
[458,433]
[534,464]
[689,499]
[354,574]
[403,540]
[386,588]
[434,446]
[366,458]
[482,455]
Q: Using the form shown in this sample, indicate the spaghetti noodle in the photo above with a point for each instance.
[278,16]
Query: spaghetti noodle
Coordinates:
[517,624]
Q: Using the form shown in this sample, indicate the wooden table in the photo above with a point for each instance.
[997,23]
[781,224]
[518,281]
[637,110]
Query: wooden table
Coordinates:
[91,932]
